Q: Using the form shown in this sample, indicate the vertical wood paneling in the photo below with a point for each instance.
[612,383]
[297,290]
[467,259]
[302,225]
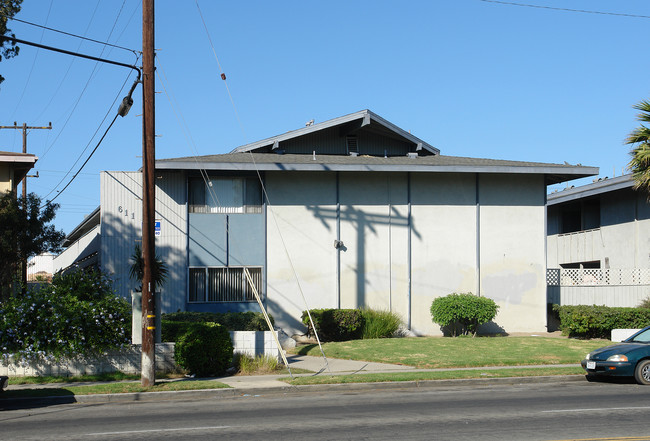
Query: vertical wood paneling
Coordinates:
[121,211]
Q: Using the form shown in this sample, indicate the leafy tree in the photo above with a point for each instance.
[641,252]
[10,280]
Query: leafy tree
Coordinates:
[24,232]
[8,8]
[640,138]
[77,315]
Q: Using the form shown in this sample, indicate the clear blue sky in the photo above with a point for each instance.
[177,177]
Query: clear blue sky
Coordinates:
[472,78]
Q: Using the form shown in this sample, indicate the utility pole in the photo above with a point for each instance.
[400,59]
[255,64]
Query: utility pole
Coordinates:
[148,366]
[25,127]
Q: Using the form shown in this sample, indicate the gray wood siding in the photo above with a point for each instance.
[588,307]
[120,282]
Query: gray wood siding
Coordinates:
[324,142]
[333,142]
[612,296]
[121,211]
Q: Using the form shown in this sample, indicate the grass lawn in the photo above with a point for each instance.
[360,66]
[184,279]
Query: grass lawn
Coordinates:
[421,352]
[444,352]
[437,375]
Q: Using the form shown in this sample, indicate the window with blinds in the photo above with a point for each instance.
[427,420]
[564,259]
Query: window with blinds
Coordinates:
[223,284]
[225,195]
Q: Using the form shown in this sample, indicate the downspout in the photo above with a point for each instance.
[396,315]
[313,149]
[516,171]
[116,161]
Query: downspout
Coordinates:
[187,241]
[408,263]
[266,242]
[390,247]
[227,240]
[338,249]
[478,238]
[546,287]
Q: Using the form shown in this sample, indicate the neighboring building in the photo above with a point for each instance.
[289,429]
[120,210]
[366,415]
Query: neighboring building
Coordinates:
[13,168]
[40,268]
[353,212]
[599,244]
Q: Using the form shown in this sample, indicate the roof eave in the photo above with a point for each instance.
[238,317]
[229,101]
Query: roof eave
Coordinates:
[553,175]
[604,186]
[89,222]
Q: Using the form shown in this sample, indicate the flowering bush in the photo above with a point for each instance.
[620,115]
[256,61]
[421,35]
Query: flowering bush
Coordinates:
[77,315]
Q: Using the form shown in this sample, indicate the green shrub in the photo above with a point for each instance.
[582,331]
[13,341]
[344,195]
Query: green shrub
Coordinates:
[232,321]
[598,321]
[77,315]
[204,350]
[645,303]
[379,324]
[463,313]
[335,324]
[171,331]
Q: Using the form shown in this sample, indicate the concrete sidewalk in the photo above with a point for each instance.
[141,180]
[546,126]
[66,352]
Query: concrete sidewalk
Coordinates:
[316,366]
[255,385]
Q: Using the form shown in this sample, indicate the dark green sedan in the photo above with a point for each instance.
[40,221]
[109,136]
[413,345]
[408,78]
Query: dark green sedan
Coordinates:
[629,358]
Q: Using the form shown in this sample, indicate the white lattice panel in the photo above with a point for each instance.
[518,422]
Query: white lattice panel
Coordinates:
[598,277]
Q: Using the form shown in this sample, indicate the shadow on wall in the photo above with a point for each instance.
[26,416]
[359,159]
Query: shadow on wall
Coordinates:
[119,238]
[366,226]
[282,318]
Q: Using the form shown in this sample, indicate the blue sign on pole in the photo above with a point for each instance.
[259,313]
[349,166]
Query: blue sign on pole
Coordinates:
[156,228]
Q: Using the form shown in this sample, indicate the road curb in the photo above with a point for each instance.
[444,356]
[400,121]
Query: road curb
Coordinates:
[205,394]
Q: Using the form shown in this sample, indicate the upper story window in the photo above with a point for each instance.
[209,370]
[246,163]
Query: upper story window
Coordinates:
[580,216]
[225,195]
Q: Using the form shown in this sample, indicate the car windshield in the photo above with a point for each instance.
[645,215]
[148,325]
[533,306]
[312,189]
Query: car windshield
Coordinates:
[641,337]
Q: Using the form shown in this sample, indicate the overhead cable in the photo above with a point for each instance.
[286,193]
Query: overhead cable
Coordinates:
[584,11]
[76,36]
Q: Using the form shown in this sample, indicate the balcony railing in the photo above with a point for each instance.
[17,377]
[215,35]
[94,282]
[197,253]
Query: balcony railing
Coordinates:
[598,277]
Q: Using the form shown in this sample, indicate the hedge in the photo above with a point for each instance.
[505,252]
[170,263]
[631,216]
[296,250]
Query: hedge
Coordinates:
[176,324]
[335,324]
[598,321]
[204,350]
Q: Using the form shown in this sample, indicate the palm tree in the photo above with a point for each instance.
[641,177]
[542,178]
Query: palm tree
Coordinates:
[640,138]
[136,273]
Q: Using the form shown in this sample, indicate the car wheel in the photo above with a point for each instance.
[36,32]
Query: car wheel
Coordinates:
[642,372]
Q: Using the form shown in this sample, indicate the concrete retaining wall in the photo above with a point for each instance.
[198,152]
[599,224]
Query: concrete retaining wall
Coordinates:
[128,361]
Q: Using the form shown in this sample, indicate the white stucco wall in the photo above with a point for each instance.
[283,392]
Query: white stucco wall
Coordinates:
[443,242]
[374,227]
[513,271]
[302,218]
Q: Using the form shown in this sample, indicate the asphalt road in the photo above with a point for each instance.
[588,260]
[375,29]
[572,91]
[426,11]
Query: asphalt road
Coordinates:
[555,411]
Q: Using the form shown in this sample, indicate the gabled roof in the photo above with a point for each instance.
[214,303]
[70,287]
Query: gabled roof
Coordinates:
[365,119]
[418,156]
[598,187]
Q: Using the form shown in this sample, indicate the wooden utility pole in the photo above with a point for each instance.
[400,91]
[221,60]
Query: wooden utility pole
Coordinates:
[148,376]
[25,127]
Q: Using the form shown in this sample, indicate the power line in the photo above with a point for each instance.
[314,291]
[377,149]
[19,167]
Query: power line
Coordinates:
[584,11]
[31,70]
[223,75]
[86,161]
[93,137]
[72,60]
[75,35]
